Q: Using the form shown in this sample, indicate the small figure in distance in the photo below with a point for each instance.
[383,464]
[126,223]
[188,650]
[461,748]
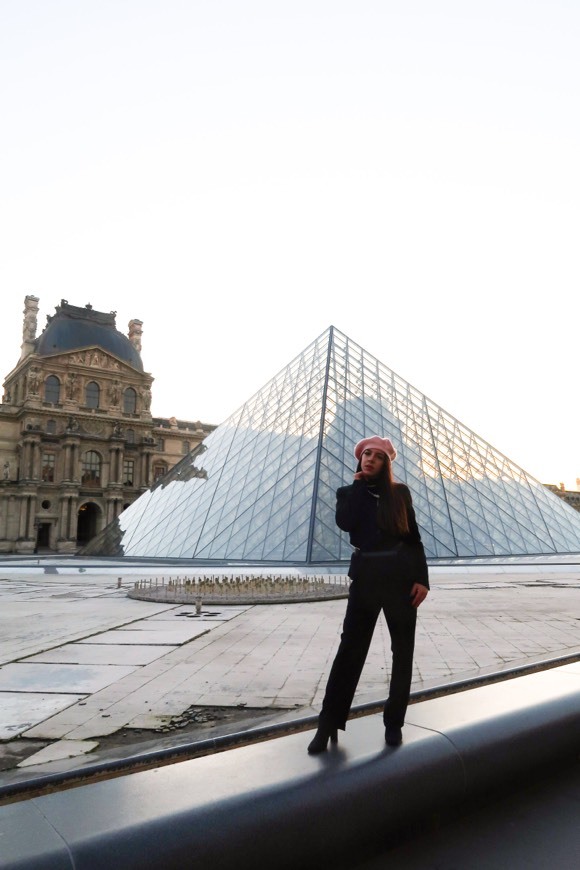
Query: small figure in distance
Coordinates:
[388,570]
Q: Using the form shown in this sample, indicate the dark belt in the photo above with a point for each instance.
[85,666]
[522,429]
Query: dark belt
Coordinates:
[390,552]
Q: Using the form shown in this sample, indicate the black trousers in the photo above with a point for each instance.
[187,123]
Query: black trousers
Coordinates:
[367,597]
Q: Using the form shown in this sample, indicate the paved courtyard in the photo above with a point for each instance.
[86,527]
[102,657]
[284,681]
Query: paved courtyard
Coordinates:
[79,660]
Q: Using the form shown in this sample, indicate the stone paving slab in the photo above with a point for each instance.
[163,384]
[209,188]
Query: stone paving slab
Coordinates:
[58,751]
[268,656]
[60,678]
[31,626]
[21,710]
[146,638]
[100,654]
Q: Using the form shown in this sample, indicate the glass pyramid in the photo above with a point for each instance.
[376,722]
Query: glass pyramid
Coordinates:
[261,487]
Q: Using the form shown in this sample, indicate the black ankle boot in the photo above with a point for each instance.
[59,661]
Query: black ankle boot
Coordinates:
[320,740]
[393,735]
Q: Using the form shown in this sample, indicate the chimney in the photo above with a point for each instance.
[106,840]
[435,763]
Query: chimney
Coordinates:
[29,325]
[135,333]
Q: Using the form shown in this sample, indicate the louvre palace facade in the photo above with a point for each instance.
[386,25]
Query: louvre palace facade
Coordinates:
[261,487]
[78,443]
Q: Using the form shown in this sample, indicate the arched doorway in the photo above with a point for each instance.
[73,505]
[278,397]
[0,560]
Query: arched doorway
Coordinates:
[87,521]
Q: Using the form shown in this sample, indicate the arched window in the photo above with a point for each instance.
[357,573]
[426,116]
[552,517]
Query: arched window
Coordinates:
[52,389]
[129,401]
[92,393]
[130,436]
[91,469]
[51,427]
[185,447]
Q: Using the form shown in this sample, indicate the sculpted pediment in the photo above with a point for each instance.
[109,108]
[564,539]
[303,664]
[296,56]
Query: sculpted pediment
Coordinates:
[93,358]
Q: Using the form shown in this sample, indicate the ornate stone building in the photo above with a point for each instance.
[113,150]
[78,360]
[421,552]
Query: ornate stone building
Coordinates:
[78,443]
[570,496]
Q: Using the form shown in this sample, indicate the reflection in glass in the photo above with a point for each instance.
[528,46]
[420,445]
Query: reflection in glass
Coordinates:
[261,487]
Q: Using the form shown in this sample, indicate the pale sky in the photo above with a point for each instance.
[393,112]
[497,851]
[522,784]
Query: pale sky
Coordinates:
[239,175]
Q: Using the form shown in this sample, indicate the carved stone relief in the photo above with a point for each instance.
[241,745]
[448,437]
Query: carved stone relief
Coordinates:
[135,333]
[72,386]
[30,318]
[95,427]
[95,359]
[86,358]
[114,392]
[33,380]
[146,397]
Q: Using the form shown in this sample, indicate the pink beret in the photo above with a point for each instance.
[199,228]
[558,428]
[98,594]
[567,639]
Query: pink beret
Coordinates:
[385,445]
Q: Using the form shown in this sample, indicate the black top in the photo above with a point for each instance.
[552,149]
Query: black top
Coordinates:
[356,513]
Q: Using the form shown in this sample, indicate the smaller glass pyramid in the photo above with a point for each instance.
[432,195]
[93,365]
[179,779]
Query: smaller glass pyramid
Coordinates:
[261,487]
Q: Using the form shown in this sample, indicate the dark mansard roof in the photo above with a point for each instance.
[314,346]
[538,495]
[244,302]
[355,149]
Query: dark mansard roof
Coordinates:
[73,328]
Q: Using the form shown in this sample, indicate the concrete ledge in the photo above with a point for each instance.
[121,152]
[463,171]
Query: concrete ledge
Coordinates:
[508,728]
[270,804]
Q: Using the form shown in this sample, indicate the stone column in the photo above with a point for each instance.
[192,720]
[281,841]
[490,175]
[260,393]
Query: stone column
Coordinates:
[76,475]
[72,530]
[66,463]
[63,517]
[105,472]
[70,471]
[67,519]
[112,508]
[25,538]
[113,456]
[35,448]
[6,505]
[31,513]
[145,471]
[23,525]
[25,461]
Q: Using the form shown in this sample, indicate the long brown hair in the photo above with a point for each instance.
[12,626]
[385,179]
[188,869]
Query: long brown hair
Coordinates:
[392,513]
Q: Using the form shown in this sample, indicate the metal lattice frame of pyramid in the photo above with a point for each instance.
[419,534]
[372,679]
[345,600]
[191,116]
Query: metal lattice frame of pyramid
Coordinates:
[261,487]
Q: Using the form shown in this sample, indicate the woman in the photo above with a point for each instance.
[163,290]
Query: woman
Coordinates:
[388,570]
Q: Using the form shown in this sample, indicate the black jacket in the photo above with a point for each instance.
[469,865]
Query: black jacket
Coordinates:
[356,513]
